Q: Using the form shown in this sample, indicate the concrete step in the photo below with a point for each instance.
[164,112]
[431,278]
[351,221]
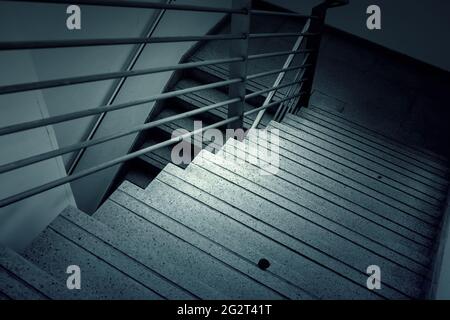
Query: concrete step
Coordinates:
[318,181]
[362,164]
[208,97]
[106,272]
[372,152]
[355,178]
[215,50]
[390,235]
[22,280]
[288,216]
[424,155]
[248,237]
[406,156]
[183,255]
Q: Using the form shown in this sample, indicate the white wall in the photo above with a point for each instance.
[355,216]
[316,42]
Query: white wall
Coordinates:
[174,23]
[22,221]
[37,21]
[416,28]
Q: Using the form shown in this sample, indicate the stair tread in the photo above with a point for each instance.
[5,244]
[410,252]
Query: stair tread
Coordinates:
[384,146]
[283,216]
[355,178]
[322,190]
[106,272]
[181,260]
[240,233]
[433,186]
[22,279]
[212,96]
[15,289]
[326,146]
[422,153]
[407,166]
[322,235]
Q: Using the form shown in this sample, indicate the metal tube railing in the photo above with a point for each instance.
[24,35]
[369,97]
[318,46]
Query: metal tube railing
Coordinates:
[268,73]
[108,108]
[282,35]
[53,184]
[108,164]
[142,5]
[75,147]
[108,76]
[281,14]
[20,45]
[295,91]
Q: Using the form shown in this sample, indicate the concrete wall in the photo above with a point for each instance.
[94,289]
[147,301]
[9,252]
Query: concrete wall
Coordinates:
[89,190]
[418,29]
[37,21]
[22,221]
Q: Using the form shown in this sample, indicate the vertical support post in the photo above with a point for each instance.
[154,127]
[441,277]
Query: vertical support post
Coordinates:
[312,43]
[240,24]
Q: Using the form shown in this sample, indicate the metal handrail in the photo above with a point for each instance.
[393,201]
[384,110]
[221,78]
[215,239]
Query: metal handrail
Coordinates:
[88,143]
[285,104]
[52,44]
[108,76]
[58,182]
[281,14]
[141,4]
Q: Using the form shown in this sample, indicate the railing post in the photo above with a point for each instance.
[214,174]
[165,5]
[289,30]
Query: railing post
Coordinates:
[240,24]
[312,43]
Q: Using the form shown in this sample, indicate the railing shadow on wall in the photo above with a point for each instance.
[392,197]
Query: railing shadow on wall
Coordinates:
[299,90]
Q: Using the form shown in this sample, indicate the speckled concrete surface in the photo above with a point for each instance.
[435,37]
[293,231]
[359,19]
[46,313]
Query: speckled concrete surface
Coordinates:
[14,288]
[28,280]
[356,177]
[141,216]
[337,192]
[408,168]
[114,248]
[341,122]
[296,266]
[253,197]
[183,262]
[63,244]
[404,183]
[424,183]
[287,186]
[408,161]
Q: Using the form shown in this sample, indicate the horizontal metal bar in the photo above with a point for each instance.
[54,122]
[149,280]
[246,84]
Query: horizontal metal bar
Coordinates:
[108,108]
[107,76]
[280,13]
[264,107]
[260,92]
[277,54]
[88,143]
[268,73]
[53,184]
[139,4]
[48,44]
[55,153]
[279,35]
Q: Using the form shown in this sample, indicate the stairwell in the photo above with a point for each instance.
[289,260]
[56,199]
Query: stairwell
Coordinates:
[200,232]
[344,198]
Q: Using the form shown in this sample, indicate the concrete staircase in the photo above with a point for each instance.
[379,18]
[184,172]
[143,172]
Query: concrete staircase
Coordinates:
[343,198]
